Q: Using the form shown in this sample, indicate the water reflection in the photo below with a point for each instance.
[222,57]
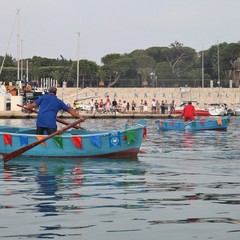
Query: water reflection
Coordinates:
[185,186]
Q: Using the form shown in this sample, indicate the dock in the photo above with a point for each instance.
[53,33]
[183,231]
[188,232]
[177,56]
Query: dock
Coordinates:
[22,115]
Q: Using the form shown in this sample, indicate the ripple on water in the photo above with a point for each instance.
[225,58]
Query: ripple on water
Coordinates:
[185,186]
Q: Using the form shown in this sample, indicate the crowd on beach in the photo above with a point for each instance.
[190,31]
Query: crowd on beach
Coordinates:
[122,106]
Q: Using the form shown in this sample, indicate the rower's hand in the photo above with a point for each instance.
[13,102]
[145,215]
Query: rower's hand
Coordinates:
[28,108]
[60,131]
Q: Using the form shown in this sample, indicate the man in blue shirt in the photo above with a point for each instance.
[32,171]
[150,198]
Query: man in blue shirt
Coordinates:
[49,105]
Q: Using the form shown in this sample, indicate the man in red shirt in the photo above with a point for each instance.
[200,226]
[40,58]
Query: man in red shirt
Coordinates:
[189,112]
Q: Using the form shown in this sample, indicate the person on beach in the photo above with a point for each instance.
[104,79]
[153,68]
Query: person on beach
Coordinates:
[49,105]
[189,112]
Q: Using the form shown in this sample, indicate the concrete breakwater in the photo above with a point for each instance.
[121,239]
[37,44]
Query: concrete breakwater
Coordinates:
[22,115]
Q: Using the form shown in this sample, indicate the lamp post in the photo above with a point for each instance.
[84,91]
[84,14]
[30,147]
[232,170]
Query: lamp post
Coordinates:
[202,68]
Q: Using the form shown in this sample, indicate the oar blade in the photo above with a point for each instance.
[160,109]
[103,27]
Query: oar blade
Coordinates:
[19,151]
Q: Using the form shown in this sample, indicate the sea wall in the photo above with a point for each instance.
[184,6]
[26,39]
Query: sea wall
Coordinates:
[204,96]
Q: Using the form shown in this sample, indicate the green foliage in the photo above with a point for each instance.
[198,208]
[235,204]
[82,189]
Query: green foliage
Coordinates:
[175,61]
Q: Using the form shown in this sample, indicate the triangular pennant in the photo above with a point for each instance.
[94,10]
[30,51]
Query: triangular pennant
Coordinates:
[7,139]
[219,121]
[172,123]
[77,140]
[114,139]
[58,141]
[202,123]
[23,140]
[39,138]
[131,136]
[96,140]
[194,124]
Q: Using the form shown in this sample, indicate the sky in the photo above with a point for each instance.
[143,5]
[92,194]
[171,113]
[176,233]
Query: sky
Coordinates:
[49,28]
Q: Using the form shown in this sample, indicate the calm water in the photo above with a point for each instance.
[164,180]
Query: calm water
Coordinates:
[185,186]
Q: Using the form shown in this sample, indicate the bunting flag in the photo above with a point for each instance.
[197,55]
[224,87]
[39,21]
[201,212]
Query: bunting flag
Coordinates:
[228,120]
[178,124]
[172,124]
[145,133]
[194,124]
[114,139]
[219,121]
[131,136]
[165,123]
[96,140]
[58,141]
[40,138]
[77,140]
[23,140]
[202,123]
[7,139]
[160,123]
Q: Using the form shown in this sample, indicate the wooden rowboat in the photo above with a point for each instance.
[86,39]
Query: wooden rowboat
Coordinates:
[122,143]
[196,125]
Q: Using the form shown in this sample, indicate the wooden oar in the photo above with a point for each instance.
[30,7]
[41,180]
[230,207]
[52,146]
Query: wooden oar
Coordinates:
[58,119]
[19,151]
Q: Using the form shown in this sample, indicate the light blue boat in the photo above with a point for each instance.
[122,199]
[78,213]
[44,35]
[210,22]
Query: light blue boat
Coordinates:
[122,143]
[220,124]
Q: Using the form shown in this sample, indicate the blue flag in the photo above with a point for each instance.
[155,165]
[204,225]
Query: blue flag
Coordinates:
[96,140]
[23,140]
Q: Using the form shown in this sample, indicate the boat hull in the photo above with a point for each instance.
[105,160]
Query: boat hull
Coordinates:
[121,143]
[200,113]
[220,124]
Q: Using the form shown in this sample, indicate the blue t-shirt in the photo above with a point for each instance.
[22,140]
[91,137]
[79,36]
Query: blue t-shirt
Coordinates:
[49,105]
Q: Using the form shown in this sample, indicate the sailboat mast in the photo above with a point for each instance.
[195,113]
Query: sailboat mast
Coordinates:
[18,43]
[219,82]
[78,50]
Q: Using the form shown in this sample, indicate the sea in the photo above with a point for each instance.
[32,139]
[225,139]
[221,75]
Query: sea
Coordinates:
[182,186]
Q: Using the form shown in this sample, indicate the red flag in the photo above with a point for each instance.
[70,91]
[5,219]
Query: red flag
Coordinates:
[7,139]
[202,122]
[77,140]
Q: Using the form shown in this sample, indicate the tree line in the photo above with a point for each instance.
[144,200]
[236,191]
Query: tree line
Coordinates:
[142,67]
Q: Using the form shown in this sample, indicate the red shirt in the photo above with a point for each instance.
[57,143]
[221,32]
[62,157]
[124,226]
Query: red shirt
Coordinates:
[189,110]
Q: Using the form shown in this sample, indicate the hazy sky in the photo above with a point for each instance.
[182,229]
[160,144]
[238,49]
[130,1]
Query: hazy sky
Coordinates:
[48,28]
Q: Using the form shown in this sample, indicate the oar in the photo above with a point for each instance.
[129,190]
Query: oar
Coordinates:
[58,119]
[19,151]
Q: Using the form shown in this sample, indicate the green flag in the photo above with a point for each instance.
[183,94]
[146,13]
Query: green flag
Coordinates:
[58,141]
[131,136]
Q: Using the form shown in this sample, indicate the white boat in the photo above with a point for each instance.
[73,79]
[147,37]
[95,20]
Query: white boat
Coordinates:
[216,109]
[236,109]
